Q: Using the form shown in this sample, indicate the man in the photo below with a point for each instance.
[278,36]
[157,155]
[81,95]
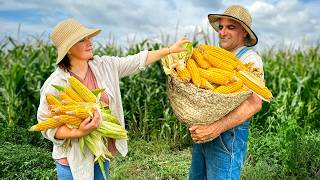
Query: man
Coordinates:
[224,156]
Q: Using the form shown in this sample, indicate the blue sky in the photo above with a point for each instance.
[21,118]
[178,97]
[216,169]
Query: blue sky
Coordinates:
[277,23]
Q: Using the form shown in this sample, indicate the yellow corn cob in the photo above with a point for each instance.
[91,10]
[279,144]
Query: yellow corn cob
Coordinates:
[82,113]
[82,90]
[222,54]
[196,55]
[228,74]
[73,94]
[184,74]
[45,125]
[65,99]
[63,109]
[67,119]
[214,77]
[244,88]
[193,70]
[217,62]
[52,100]
[205,84]
[255,85]
[230,88]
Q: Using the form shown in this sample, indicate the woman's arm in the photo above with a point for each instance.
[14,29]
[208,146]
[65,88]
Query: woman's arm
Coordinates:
[158,54]
[86,127]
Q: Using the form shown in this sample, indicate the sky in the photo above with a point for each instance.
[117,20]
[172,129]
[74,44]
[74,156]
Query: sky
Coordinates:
[276,22]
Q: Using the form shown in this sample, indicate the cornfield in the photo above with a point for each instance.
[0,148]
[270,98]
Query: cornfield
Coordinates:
[284,135]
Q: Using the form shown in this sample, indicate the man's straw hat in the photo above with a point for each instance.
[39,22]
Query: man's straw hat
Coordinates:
[67,33]
[239,14]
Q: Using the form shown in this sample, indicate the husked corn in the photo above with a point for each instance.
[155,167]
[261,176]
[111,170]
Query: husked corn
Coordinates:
[229,88]
[82,90]
[214,77]
[196,55]
[193,70]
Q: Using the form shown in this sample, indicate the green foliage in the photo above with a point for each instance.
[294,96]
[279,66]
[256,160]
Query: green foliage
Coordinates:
[284,134]
[151,160]
[25,162]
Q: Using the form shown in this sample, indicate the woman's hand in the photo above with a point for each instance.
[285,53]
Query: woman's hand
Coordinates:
[176,47]
[158,54]
[88,125]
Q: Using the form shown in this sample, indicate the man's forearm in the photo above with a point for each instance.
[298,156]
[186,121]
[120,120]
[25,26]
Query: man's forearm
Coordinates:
[245,111]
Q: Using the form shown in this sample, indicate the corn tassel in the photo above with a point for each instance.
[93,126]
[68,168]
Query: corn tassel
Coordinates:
[196,55]
[214,77]
[193,70]
[82,90]
[45,125]
[230,88]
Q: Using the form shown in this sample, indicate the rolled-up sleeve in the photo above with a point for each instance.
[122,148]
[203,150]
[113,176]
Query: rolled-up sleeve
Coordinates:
[43,111]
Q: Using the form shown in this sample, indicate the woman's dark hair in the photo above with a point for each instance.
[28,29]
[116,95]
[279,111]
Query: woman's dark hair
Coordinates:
[65,63]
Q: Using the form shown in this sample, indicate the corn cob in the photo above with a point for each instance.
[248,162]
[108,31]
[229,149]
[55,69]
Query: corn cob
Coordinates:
[230,57]
[196,55]
[230,88]
[217,62]
[184,74]
[65,108]
[242,89]
[214,77]
[67,119]
[228,74]
[82,90]
[255,84]
[82,112]
[73,94]
[52,100]
[65,99]
[45,125]
[226,56]
[205,84]
[193,70]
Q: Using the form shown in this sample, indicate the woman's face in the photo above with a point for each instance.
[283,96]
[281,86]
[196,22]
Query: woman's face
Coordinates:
[82,50]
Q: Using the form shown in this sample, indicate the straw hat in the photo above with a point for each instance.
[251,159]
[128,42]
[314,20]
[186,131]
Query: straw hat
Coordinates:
[67,33]
[239,14]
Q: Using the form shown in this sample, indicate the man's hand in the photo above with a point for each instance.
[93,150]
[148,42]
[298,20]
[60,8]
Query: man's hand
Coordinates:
[245,111]
[202,133]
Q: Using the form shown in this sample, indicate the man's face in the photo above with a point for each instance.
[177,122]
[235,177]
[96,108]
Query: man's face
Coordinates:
[231,34]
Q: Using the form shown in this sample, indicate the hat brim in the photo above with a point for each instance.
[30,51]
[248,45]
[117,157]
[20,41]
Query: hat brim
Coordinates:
[214,18]
[62,51]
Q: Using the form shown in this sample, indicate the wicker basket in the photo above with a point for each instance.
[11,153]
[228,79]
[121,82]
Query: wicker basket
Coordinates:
[193,105]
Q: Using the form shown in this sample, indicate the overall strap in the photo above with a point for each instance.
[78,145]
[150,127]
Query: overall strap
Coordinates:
[242,51]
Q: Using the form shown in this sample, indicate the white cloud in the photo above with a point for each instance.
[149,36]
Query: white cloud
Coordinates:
[274,22]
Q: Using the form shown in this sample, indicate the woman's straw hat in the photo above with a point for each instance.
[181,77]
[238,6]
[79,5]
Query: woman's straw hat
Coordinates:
[239,14]
[67,33]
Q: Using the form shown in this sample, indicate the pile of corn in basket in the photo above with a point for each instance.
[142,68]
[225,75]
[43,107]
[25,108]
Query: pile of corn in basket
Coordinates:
[209,83]
[74,104]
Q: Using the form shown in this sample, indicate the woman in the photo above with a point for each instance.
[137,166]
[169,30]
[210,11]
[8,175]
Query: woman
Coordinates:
[75,58]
